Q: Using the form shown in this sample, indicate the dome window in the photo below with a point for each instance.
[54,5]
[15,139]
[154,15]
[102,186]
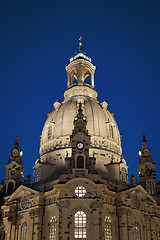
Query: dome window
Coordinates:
[110,131]
[80,191]
[49,132]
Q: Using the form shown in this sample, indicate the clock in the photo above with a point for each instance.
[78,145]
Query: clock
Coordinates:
[146,152]
[14,152]
[13,172]
[80,145]
[148,172]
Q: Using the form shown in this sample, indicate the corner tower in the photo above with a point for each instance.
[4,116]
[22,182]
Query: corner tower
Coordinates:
[147,169]
[14,169]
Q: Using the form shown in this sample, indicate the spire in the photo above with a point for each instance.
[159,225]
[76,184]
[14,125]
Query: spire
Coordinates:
[80,43]
[80,54]
[16,153]
[144,138]
[80,121]
[16,145]
[144,145]
[145,152]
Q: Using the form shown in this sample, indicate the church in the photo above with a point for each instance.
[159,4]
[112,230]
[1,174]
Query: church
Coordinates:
[80,186]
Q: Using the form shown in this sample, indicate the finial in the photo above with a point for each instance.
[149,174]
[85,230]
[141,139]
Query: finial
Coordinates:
[144,138]
[80,43]
[16,145]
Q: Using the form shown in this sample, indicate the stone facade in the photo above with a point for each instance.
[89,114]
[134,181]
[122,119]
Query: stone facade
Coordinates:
[80,186]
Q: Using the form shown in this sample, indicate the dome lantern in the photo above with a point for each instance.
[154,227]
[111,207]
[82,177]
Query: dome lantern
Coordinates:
[79,68]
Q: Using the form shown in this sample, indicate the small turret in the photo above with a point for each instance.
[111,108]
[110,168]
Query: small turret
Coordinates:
[14,169]
[147,168]
[80,162]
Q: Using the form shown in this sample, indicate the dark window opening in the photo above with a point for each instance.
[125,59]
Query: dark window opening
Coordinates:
[10,187]
[80,161]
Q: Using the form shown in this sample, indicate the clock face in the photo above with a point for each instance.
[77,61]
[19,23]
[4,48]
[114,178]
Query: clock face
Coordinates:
[148,172]
[13,172]
[146,152]
[15,152]
[80,145]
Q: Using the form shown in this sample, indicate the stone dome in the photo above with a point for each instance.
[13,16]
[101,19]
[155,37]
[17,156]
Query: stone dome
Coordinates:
[101,125]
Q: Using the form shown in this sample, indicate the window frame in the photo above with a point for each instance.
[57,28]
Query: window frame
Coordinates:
[80,230]
[52,224]
[108,228]
[24,231]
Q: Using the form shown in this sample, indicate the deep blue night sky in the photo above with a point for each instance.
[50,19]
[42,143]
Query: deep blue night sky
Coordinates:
[37,38]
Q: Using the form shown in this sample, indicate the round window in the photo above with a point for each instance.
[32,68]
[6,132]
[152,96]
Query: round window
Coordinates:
[24,202]
[80,191]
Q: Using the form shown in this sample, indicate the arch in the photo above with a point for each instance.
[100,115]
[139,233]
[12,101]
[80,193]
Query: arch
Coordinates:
[89,73]
[52,228]
[108,228]
[137,231]
[10,187]
[24,231]
[73,76]
[80,225]
[88,80]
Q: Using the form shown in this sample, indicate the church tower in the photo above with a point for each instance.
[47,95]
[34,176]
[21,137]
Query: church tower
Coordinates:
[147,169]
[14,169]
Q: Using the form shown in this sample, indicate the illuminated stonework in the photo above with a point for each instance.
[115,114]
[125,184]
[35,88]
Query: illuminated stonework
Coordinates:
[80,186]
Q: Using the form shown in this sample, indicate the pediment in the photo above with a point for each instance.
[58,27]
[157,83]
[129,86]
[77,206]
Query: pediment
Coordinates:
[141,193]
[21,191]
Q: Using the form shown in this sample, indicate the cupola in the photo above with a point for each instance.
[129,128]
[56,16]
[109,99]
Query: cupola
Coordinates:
[79,68]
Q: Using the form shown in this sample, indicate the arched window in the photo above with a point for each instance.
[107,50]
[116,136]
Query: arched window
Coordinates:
[150,188]
[24,231]
[49,132]
[123,175]
[108,228]
[52,228]
[137,231]
[80,225]
[80,161]
[110,131]
[10,187]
